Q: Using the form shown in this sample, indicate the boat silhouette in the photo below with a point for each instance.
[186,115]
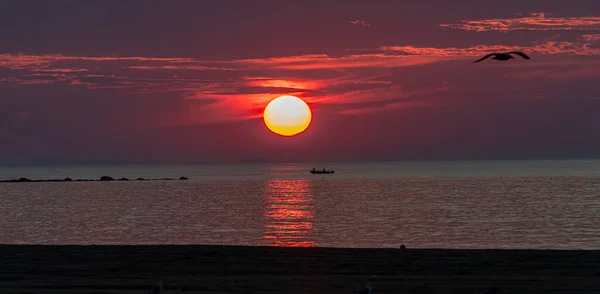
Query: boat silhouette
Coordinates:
[314,171]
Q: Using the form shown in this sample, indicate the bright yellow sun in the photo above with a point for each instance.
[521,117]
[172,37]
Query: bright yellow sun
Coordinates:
[287,115]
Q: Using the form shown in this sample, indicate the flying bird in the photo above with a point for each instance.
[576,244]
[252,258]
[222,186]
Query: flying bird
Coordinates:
[367,289]
[503,56]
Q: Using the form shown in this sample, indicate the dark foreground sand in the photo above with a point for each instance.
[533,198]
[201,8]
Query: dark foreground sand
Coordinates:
[229,269]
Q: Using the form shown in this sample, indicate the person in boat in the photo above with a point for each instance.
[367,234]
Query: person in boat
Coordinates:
[323,169]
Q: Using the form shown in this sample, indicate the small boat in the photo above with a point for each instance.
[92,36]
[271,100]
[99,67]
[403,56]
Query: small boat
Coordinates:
[314,171]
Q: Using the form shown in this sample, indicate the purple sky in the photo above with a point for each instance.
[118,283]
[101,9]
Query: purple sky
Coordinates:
[95,81]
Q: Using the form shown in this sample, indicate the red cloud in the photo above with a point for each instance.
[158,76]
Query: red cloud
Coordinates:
[178,66]
[586,47]
[395,106]
[361,23]
[282,83]
[24,61]
[61,70]
[537,21]
[322,61]
[591,72]
[249,84]
[591,38]
[384,57]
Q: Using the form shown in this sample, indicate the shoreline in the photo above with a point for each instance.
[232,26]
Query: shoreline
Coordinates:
[209,246]
[246,269]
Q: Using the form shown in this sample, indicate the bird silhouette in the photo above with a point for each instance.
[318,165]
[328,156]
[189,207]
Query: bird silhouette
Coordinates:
[503,56]
[367,289]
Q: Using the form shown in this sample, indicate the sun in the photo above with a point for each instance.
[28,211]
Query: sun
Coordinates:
[287,115]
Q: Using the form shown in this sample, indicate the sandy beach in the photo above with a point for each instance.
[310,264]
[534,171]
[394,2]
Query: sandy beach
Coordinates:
[233,269]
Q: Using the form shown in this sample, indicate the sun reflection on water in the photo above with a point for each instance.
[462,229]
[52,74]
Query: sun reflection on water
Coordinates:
[289,213]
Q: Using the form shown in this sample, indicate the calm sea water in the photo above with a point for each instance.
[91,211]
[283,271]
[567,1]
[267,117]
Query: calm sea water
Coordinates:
[503,204]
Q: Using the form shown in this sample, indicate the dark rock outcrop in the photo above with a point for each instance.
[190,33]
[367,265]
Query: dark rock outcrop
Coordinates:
[102,179]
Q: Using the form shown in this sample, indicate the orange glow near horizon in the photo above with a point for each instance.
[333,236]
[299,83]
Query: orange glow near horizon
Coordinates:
[287,115]
[283,83]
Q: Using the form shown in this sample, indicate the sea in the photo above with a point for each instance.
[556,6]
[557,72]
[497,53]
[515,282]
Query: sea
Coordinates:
[528,204]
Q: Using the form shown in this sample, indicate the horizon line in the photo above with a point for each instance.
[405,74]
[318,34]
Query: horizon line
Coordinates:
[284,162]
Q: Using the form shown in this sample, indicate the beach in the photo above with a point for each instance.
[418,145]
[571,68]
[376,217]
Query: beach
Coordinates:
[244,269]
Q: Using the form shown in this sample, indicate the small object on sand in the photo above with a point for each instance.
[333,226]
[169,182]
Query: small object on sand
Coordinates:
[402,246]
[367,289]
[492,290]
[157,288]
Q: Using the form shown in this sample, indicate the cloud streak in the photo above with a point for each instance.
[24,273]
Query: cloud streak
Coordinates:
[536,21]
[361,23]
[239,88]
[587,45]
[26,61]
[383,57]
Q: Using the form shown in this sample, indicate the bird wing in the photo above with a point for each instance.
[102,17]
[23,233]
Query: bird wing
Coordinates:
[482,58]
[520,54]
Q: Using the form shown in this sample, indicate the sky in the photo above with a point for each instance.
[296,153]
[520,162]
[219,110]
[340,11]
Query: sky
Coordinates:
[187,81]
